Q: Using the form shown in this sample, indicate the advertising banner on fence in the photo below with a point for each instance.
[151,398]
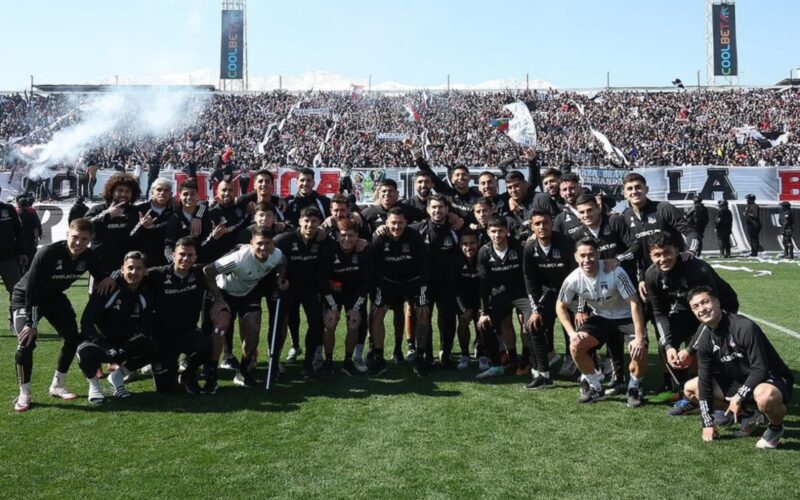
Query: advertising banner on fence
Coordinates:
[231,63]
[724,33]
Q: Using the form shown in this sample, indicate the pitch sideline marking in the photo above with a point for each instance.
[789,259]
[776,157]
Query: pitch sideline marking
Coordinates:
[779,328]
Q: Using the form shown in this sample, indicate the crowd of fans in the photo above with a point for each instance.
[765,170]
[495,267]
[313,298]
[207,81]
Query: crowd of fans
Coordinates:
[321,129]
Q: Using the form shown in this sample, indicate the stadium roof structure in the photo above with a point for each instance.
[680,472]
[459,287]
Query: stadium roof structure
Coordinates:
[80,88]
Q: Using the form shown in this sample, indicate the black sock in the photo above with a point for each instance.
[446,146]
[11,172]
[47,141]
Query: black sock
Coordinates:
[348,356]
[378,352]
[328,356]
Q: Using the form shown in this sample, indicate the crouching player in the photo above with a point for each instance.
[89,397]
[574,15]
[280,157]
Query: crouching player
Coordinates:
[737,365]
[117,328]
[346,283]
[177,292]
[618,316]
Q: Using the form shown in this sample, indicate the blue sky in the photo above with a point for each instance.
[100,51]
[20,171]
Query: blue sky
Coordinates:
[571,44]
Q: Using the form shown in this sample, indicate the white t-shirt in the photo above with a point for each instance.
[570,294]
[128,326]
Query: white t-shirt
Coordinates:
[240,271]
[607,293]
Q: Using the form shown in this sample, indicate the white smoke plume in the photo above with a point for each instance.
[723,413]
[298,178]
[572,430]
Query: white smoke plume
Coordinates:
[118,117]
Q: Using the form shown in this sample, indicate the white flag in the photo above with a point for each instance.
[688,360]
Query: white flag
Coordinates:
[612,151]
[521,128]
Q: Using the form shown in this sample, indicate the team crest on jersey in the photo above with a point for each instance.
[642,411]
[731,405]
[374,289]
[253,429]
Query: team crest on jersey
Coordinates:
[556,253]
[314,248]
[117,304]
[447,243]
[512,255]
[651,219]
[354,259]
[603,287]
[80,267]
[405,248]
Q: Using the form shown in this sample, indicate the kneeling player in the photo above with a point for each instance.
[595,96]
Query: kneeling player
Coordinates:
[618,315]
[346,284]
[737,365]
[117,328]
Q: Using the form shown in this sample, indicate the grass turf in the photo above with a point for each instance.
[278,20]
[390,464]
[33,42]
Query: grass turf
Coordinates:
[445,436]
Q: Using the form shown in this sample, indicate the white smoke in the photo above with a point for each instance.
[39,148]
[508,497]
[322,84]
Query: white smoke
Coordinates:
[118,117]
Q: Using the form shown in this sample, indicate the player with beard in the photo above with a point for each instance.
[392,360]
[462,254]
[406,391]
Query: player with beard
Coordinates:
[149,234]
[306,197]
[456,188]
[114,219]
[550,200]
[548,259]
[423,185]
[737,365]
[617,315]
[117,328]
[502,291]
[519,200]
[179,286]
[180,223]
[303,253]
[40,294]
[442,248]
[468,293]
[234,283]
[401,270]
[346,281]
[668,280]
[568,221]
[263,191]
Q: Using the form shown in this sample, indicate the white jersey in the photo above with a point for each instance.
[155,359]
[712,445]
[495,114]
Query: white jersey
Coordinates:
[607,293]
[240,271]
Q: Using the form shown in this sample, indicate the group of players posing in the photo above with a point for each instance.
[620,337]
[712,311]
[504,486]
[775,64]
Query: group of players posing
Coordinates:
[161,268]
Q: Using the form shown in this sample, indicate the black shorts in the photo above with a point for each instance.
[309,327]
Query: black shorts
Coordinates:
[783,385]
[395,294]
[351,301]
[466,302]
[604,329]
[244,305]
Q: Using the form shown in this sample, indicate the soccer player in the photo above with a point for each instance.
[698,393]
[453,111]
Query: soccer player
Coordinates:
[618,315]
[401,271]
[264,191]
[550,200]
[346,281]
[303,253]
[40,293]
[441,241]
[697,217]
[487,185]
[177,292]
[12,254]
[668,280]
[752,222]
[568,221]
[723,224]
[117,328]
[179,224]
[149,234]
[502,291]
[387,198]
[468,293]
[233,281]
[519,199]
[457,187]
[786,221]
[423,185]
[306,197]
[737,365]
[547,260]
[114,219]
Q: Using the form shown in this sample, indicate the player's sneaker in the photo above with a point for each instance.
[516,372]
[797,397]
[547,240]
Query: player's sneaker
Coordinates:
[483,363]
[492,371]
[683,407]
[635,399]
[463,363]
[378,366]
[568,368]
[723,418]
[229,363]
[293,353]
[327,369]
[749,424]
[591,396]
[95,396]
[360,366]
[60,391]
[770,439]
[540,382]
[22,403]
[188,380]
[244,380]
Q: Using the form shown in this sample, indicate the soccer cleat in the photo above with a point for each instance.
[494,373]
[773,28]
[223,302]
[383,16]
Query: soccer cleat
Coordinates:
[635,399]
[483,363]
[22,403]
[188,380]
[591,396]
[60,391]
[360,366]
[770,439]
[293,353]
[349,368]
[568,368]
[463,363]
[378,367]
[683,407]
[749,424]
[244,380]
[492,371]
[540,382]
[229,363]
[553,358]
[327,369]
